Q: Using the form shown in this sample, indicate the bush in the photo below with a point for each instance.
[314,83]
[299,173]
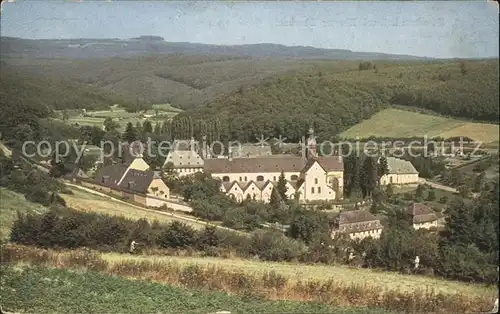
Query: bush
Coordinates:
[274,246]
[177,235]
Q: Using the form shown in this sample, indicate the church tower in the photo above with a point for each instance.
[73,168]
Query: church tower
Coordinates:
[312,151]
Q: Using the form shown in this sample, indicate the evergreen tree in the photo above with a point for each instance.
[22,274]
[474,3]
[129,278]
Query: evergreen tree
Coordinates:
[369,176]
[383,168]
[130,133]
[147,127]
[276,199]
[138,127]
[281,187]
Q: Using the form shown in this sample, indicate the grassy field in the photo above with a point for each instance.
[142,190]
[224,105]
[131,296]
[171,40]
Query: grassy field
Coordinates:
[10,203]
[401,123]
[96,118]
[299,272]
[332,285]
[87,202]
[45,290]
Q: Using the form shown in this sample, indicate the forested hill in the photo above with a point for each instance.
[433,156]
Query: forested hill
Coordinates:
[43,94]
[26,99]
[332,102]
[149,45]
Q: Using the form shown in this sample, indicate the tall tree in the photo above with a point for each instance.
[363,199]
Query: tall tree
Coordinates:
[147,127]
[276,199]
[130,133]
[382,169]
[281,186]
[369,175]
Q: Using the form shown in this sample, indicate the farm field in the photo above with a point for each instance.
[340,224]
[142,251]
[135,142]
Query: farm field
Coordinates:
[158,114]
[87,202]
[300,272]
[45,290]
[10,203]
[396,123]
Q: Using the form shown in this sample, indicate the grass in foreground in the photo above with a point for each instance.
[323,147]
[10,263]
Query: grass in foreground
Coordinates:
[43,290]
[402,123]
[269,285]
[10,203]
[381,280]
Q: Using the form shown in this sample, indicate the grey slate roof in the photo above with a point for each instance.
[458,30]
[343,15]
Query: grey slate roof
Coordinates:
[251,150]
[134,180]
[111,174]
[421,213]
[400,166]
[137,180]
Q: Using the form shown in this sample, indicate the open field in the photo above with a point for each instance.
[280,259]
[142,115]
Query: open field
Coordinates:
[10,203]
[300,272]
[331,285]
[45,290]
[158,114]
[401,123]
[87,202]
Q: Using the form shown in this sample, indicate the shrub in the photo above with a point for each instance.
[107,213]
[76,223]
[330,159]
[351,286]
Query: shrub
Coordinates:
[274,246]
[177,235]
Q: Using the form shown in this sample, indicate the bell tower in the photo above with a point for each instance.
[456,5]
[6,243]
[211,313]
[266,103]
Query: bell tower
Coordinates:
[312,151]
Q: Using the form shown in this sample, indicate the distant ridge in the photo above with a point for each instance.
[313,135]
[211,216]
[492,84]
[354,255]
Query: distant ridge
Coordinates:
[154,45]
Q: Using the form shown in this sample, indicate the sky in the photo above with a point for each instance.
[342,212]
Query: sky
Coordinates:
[448,29]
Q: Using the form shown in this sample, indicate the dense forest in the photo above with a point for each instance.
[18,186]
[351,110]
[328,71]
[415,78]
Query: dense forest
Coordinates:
[332,102]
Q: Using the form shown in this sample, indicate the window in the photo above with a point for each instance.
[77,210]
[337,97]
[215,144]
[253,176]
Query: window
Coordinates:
[315,180]
[241,179]
[312,190]
[390,179]
[274,178]
[245,179]
[294,177]
[225,179]
[319,190]
[260,178]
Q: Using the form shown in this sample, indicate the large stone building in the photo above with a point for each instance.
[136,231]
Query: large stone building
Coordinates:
[401,172]
[422,216]
[357,224]
[184,158]
[309,177]
[132,180]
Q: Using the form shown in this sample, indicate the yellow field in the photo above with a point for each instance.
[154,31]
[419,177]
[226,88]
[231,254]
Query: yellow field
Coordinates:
[88,202]
[344,274]
[401,123]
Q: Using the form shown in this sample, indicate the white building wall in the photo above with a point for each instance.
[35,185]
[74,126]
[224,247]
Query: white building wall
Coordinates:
[399,179]
[245,177]
[315,186]
[426,225]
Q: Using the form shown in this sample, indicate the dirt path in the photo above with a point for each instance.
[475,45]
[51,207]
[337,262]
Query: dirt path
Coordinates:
[437,185]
